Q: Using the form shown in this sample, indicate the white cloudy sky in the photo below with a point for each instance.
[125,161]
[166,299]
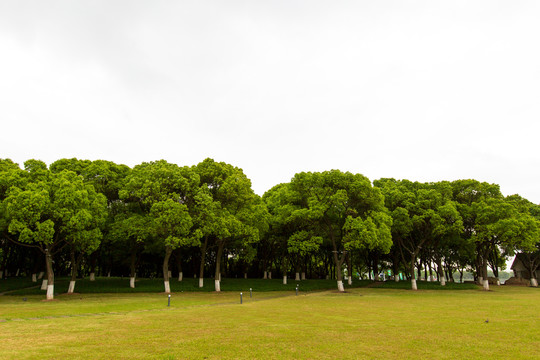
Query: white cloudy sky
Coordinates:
[423,90]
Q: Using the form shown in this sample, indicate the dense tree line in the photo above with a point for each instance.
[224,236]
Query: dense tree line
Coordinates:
[80,217]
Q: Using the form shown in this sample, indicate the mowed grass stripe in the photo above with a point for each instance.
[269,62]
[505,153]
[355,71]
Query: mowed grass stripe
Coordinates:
[148,302]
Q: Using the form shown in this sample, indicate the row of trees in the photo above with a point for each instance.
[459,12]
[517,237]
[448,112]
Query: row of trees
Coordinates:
[97,216]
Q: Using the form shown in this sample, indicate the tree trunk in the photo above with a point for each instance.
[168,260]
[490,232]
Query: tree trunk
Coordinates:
[217,277]
[168,252]
[265,276]
[203,259]
[297,276]
[485,282]
[179,266]
[349,268]
[50,275]
[413,279]
[440,271]
[74,267]
[269,275]
[93,261]
[285,268]
[3,265]
[132,268]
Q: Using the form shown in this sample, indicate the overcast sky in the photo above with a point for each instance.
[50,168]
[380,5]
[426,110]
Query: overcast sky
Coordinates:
[421,90]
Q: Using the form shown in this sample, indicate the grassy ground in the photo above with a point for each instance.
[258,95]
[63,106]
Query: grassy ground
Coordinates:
[361,323]
[121,285]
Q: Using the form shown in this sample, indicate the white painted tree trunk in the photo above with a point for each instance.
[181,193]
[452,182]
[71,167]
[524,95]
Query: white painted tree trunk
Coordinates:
[92,276]
[245,275]
[201,282]
[297,277]
[443,281]
[327,277]
[50,292]
[265,275]
[17,273]
[167,287]
[396,277]
[71,287]
[34,277]
[109,274]
[486,284]
[284,279]
[217,285]
[534,282]
[269,275]
[303,276]
[194,276]
[340,286]
[180,276]
[413,284]
[498,282]
[44,284]
[40,276]
[349,280]
[132,282]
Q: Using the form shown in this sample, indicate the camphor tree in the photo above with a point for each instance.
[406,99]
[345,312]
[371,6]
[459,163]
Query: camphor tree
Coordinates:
[165,192]
[239,215]
[172,223]
[53,211]
[10,175]
[336,203]
[422,218]
[131,230]
[291,230]
[500,224]
[107,178]
[467,193]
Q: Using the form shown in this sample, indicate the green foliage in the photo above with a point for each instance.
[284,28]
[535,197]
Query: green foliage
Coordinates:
[46,213]
[172,223]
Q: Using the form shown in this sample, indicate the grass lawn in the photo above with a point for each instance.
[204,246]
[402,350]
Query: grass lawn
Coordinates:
[373,323]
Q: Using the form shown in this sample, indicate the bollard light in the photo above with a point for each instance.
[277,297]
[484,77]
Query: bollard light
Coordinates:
[250,293]
[169,303]
[240,298]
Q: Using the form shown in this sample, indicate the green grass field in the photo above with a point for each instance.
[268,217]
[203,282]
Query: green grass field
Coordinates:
[363,323]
